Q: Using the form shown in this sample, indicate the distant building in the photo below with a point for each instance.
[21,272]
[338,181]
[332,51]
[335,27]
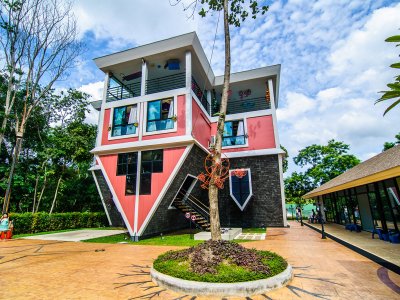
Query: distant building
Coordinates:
[367,194]
[156,127]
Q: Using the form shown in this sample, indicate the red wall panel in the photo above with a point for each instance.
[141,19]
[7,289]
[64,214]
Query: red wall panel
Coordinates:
[201,126]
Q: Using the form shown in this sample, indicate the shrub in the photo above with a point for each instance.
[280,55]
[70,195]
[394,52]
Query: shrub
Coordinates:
[42,222]
[220,261]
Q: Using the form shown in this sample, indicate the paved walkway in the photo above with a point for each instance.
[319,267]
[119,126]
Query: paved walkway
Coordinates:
[251,236]
[75,236]
[364,241]
[324,269]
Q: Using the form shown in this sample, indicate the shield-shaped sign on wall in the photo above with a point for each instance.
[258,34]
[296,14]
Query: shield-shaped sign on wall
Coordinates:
[240,187]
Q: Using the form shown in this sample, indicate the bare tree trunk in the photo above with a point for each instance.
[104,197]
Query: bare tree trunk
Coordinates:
[41,193]
[35,193]
[17,149]
[55,195]
[213,189]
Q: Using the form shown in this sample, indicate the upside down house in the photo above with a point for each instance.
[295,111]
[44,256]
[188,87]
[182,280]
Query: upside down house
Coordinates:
[156,126]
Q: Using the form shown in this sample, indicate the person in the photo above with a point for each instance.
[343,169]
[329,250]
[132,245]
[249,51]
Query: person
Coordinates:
[312,218]
[297,214]
[4,226]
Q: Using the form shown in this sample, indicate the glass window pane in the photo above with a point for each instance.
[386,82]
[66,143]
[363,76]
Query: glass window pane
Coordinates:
[153,110]
[130,186]
[119,115]
[146,166]
[145,184]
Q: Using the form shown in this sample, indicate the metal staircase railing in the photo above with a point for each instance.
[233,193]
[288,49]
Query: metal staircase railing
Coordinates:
[188,203]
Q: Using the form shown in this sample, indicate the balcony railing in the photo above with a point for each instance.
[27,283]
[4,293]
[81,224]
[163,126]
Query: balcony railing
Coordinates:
[123,91]
[165,83]
[236,106]
[201,95]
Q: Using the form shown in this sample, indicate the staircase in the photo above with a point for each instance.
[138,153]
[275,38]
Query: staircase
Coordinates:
[187,203]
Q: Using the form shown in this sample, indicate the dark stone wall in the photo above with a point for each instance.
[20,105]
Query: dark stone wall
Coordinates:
[263,209]
[115,216]
[265,206]
[166,220]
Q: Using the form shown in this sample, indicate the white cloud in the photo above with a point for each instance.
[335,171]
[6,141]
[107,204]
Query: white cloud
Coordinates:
[95,90]
[132,22]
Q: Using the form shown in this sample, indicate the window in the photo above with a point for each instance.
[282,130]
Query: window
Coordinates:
[234,133]
[127,165]
[152,162]
[160,115]
[240,188]
[124,120]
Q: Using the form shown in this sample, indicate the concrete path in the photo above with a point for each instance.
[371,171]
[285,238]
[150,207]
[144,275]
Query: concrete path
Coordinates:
[364,241]
[74,236]
[324,269]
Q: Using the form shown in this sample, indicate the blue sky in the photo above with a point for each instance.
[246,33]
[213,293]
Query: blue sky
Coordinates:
[333,56]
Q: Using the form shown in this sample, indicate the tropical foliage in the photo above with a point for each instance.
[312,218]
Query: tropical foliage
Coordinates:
[388,145]
[394,87]
[323,162]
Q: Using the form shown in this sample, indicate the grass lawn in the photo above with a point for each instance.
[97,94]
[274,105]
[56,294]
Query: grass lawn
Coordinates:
[254,230]
[15,236]
[180,238]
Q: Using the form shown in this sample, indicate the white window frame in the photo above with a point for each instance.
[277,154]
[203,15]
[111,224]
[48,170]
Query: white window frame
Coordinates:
[110,126]
[246,144]
[242,207]
[144,123]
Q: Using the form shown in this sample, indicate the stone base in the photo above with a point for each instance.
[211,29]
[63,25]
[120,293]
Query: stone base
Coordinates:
[240,289]
[228,235]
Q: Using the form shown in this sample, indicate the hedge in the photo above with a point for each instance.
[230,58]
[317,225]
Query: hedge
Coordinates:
[42,222]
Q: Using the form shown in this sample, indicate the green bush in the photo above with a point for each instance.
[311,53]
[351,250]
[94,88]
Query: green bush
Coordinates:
[42,222]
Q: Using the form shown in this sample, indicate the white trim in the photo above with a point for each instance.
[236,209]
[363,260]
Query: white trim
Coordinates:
[254,153]
[137,194]
[95,167]
[246,138]
[187,192]
[188,65]
[165,189]
[248,115]
[146,98]
[144,120]
[209,101]
[115,198]
[144,78]
[118,137]
[285,223]
[101,197]
[102,111]
[274,120]
[140,127]
[169,142]
[242,207]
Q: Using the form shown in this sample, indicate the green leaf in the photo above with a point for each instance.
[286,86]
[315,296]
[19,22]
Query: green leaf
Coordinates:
[391,106]
[395,65]
[393,39]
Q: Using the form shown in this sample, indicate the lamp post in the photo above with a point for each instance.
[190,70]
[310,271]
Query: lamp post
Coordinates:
[322,221]
[301,216]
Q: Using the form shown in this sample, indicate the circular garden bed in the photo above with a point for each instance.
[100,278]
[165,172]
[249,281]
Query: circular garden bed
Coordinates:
[221,268]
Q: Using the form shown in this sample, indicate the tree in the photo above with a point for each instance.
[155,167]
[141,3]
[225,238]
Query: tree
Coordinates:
[235,12]
[285,162]
[45,37]
[388,145]
[323,163]
[394,87]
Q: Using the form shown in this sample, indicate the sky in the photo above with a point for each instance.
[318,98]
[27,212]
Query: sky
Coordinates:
[332,53]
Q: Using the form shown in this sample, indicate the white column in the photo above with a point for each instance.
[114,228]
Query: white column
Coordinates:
[188,65]
[280,156]
[101,113]
[188,102]
[209,103]
[144,78]
[136,213]
[273,109]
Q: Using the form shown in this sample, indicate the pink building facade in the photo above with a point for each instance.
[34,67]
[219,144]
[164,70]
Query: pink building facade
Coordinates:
[157,125]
